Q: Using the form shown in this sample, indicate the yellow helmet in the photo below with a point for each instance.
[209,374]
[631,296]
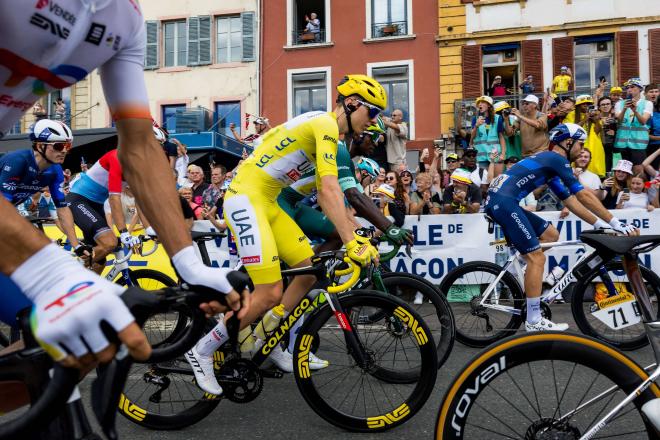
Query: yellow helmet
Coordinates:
[584,99]
[616,90]
[500,105]
[484,98]
[364,86]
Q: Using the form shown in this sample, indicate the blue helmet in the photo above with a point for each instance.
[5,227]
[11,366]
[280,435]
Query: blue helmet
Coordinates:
[565,131]
[369,165]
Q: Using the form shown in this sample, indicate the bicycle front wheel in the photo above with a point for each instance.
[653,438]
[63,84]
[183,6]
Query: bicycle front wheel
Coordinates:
[544,386]
[613,317]
[353,396]
[148,279]
[500,315]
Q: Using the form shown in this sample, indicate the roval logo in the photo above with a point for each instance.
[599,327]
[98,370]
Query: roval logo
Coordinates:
[465,401]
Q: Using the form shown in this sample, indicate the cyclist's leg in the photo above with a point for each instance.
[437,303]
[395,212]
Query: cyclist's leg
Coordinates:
[316,224]
[249,221]
[90,218]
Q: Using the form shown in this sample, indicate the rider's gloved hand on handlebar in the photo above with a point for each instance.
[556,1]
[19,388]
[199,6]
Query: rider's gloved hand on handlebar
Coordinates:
[150,232]
[399,236]
[621,228]
[361,250]
[70,303]
[129,240]
[193,272]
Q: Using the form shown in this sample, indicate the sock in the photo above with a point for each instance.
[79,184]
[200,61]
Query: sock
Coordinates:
[293,333]
[213,340]
[533,310]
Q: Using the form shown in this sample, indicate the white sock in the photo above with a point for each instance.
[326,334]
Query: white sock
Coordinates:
[533,310]
[213,340]
[293,333]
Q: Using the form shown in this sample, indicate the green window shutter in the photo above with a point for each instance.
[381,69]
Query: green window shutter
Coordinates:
[205,39]
[247,19]
[151,50]
[193,41]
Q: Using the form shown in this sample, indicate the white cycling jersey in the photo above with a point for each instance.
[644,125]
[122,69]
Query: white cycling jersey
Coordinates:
[47,45]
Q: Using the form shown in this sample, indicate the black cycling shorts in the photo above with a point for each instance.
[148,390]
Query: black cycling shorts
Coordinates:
[88,216]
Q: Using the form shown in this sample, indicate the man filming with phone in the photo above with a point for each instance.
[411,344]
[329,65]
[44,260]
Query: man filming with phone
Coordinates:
[632,113]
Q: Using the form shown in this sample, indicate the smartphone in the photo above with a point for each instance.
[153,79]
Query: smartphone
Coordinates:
[603,79]
[82,160]
[376,201]
[591,108]
[609,174]
[626,190]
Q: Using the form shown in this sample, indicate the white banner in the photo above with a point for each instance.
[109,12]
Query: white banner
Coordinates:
[443,242]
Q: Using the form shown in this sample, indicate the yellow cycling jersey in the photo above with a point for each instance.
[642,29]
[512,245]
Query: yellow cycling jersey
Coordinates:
[287,152]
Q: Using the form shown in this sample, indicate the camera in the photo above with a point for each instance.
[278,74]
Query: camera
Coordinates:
[591,108]
[506,112]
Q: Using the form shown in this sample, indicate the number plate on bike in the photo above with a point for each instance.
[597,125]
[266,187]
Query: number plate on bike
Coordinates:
[619,311]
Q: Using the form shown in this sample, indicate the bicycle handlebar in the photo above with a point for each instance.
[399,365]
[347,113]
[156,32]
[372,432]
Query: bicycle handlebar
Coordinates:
[129,252]
[352,281]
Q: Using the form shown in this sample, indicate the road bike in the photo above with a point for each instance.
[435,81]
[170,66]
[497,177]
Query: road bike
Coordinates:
[372,341]
[559,385]
[488,300]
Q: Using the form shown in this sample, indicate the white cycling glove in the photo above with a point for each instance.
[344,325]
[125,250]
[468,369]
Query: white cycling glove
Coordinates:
[194,272]
[129,240]
[601,224]
[69,303]
[150,232]
[621,228]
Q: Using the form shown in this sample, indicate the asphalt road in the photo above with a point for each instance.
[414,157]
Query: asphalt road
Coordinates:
[280,412]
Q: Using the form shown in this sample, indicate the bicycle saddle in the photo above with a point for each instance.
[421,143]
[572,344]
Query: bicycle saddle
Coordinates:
[618,244]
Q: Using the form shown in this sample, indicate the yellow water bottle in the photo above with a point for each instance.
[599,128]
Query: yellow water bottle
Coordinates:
[270,322]
[246,339]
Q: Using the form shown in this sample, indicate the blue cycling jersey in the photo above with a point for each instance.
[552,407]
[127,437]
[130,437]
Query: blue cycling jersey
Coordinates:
[20,178]
[533,172]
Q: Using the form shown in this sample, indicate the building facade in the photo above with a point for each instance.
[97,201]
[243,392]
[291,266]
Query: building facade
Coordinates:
[480,39]
[391,40]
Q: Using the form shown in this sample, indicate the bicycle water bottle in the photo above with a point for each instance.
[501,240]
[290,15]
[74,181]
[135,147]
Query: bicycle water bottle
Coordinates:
[270,322]
[555,275]
[246,339]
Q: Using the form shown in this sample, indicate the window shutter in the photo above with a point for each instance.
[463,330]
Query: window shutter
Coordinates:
[563,55]
[532,59]
[247,19]
[205,39]
[193,41]
[654,55]
[151,50]
[472,71]
[627,55]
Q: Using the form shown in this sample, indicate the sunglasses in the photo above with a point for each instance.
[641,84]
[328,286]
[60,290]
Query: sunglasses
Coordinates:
[60,146]
[373,110]
[390,178]
[451,161]
[470,155]
[405,174]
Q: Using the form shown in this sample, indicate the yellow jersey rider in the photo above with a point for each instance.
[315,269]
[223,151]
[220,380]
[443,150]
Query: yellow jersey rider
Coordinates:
[265,233]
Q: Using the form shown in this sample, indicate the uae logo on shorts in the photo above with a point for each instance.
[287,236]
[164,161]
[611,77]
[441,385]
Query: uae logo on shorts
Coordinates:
[251,260]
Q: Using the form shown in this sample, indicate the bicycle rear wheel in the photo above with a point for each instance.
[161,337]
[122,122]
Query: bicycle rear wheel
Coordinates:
[531,386]
[479,325]
[353,397]
[613,319]
[434,308]
[148,279]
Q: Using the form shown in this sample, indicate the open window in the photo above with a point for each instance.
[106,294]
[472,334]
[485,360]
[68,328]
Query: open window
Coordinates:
[501,60]
[310,21]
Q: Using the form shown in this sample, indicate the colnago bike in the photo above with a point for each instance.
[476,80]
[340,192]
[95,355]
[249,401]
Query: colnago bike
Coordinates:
[488,301]
[382,362]
[560,385]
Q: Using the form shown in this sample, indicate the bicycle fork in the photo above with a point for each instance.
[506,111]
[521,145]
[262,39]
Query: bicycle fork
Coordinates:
[355,348]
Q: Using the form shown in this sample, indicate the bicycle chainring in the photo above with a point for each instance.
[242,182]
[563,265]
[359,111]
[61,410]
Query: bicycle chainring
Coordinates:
[241,380]
[551,429]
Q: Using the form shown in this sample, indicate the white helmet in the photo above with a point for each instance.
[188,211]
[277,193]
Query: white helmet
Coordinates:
[160,135]
[47,130]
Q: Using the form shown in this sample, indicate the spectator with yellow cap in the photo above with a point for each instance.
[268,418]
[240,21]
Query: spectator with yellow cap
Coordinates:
[633,113]
[616,94]
[511,128]
[462,196]
[488,133]
[386,198]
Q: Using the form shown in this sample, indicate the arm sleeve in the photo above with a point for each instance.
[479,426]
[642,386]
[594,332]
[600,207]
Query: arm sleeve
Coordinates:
[326,133]
[56,189]
[122,78]
[345,169]
[114,175]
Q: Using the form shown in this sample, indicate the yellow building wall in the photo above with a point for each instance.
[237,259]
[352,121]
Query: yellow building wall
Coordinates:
[451,14]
